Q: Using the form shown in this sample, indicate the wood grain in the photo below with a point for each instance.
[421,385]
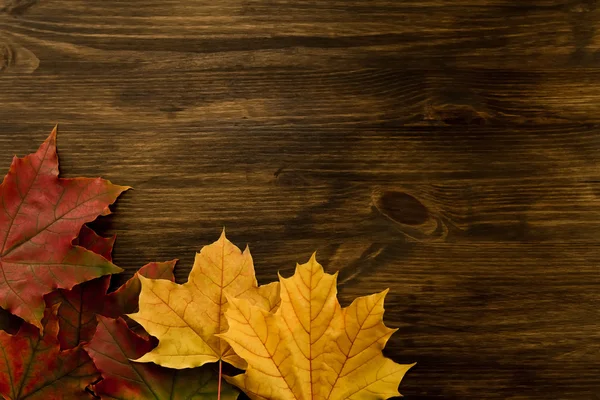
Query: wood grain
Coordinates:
[448,150]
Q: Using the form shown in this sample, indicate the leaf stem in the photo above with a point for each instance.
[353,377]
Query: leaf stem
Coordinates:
[220,376]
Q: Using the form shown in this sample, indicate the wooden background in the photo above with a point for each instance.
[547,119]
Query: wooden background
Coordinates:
[447,149]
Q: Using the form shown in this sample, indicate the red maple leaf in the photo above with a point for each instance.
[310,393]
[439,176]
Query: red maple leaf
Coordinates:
[40,215]
[92,241]
[78,309]
[32,367]
[124,300]
[80,305]
[114,346]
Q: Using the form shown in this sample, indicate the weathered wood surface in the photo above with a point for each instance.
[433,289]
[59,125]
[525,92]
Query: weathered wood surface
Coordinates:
[448,150]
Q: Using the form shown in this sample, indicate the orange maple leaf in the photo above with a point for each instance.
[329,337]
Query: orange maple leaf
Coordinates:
[185,318]
[311,348]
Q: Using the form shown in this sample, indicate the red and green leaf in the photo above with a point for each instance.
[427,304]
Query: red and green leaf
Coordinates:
[40,215]
[125,299]
[79,306]
[33,367]
[112,348]
[93,242]
[90,240]
[78,309]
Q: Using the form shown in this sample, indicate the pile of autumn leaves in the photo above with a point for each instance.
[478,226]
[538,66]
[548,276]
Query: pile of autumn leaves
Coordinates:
[65,337]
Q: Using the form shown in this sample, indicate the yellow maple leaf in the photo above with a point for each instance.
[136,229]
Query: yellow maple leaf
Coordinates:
[185,318]
[311,348]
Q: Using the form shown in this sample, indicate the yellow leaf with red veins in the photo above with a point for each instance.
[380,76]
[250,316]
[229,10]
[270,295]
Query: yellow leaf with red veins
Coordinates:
[185,318]
[311,348]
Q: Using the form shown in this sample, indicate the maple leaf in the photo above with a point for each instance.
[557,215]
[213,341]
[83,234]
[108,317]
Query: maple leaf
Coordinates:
[78,309]
[33,368]
[185,318]
[40,215]
[311,348]
[124,300]
[90,240]
[80,305]
[112,348]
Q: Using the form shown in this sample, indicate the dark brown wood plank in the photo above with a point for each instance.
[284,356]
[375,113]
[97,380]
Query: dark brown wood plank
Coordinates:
[407,97]
[491,259]
[153,35]
[448,150]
